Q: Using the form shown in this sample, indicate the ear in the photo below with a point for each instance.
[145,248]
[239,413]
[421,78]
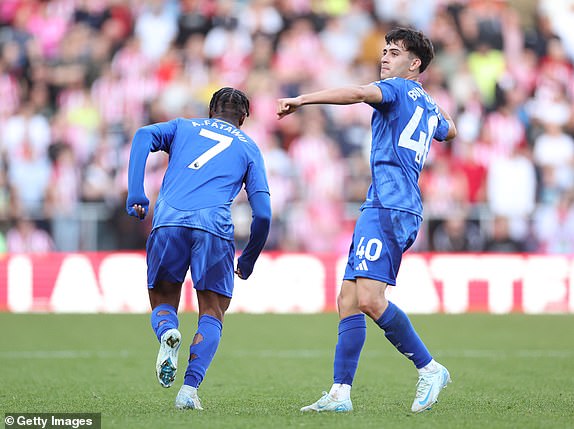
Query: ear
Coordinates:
[241,120]
[415,64]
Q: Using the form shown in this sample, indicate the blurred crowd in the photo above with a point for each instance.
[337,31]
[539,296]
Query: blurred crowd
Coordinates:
[78,77]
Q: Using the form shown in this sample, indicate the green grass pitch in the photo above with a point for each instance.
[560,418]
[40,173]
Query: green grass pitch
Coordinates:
[509,371]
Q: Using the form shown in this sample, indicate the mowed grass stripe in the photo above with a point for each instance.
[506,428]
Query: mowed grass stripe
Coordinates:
[292,354]
[508,371]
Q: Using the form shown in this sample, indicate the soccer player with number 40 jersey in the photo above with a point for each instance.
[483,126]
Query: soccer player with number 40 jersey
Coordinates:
[210,160]
[405,119]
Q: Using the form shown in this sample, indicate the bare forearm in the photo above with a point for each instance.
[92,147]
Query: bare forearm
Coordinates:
[342,95]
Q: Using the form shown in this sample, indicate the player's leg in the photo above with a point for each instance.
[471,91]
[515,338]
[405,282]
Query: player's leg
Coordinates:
[352,333]
[391,319]
[164,299]
[212,274]
[212,308]
[351,338]
[433,377]
[388,234]
[166,272]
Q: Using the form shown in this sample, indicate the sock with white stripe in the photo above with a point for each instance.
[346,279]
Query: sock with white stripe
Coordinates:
[400,332]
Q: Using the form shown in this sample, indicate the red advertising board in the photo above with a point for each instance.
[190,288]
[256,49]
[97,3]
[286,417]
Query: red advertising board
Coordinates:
[115,282]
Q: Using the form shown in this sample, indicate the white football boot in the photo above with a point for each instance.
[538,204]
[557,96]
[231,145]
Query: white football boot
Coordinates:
[166,363]
[187,399]
[428,388]
[328,403]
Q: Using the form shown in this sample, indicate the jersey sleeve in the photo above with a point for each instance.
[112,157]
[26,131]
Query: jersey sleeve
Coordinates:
[442,128]
[162,134]
[389,90]
[149,138]
[261,221]
[256,176]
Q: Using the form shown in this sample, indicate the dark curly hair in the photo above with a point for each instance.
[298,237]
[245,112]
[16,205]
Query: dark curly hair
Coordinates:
[413,41]
[229,103]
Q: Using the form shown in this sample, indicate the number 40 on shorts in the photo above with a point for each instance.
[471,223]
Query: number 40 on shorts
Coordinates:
[371,251]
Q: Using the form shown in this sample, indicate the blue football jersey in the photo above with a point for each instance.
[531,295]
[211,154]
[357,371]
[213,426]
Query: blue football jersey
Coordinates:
[403,126]
[209,162]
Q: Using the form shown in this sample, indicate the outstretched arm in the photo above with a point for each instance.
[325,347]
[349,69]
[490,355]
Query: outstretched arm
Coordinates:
[343,95]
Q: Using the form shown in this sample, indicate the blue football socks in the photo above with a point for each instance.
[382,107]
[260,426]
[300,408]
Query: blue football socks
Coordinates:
[352,335]
[163,318]
[202,349]
[400,332]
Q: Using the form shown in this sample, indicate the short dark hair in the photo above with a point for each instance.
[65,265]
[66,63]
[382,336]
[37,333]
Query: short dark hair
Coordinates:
[229,103]
[414,41]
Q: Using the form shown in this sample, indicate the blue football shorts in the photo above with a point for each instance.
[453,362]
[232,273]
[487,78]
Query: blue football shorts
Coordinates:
[380,238]
[172,250]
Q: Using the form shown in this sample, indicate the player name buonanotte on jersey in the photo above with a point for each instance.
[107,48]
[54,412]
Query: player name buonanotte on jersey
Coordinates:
[417,92]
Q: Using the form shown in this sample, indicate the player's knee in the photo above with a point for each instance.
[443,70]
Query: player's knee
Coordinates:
[346,304]
[371,307]
[365,306]
[218,313]
[340,302]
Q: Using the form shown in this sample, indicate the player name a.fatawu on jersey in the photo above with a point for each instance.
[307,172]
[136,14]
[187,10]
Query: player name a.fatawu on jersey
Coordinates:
[220,125]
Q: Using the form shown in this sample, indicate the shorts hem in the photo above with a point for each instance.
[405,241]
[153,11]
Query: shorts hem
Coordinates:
[218,291]
[372,277]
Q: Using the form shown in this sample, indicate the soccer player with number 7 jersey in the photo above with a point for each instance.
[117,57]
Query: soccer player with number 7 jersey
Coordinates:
[404,122]
[210,160]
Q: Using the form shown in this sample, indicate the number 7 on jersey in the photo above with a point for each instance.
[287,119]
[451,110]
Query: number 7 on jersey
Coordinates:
[223,143]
